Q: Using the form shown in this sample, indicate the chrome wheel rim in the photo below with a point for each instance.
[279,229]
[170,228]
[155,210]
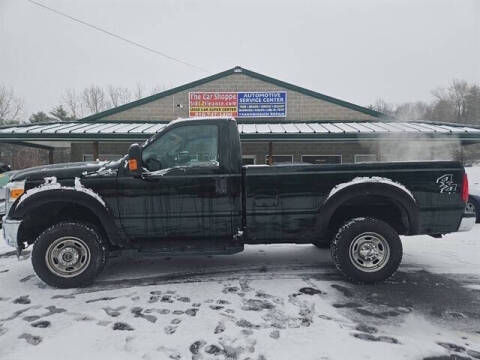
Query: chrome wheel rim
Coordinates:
[369,252]
[470,207]
[67,256]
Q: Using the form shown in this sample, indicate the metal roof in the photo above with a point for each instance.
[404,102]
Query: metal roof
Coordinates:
[294,131]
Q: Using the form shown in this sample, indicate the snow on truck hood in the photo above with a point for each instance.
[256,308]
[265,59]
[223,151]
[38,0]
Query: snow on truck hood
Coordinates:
[64,171]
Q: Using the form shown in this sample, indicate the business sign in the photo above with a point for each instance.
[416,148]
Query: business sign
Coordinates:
[238,104]
[262,104]
[212,104]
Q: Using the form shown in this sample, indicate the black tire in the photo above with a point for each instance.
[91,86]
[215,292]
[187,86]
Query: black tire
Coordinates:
[86,238]
[475,206]
[347,243]
[322,245]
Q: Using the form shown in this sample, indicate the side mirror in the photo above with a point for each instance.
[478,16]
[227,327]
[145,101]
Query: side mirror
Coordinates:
[135,159]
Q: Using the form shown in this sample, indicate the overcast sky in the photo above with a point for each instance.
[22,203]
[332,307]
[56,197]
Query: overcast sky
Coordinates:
[358,51]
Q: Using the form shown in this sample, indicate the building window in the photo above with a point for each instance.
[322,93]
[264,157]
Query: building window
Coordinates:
[102,157]
[365,158]
[322,159]
[249,159]
[279,159]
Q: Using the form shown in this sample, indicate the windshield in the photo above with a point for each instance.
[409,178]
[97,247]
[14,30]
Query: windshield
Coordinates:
[193,145]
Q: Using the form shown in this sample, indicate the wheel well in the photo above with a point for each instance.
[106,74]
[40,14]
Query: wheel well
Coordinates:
[42,217]
[374,206]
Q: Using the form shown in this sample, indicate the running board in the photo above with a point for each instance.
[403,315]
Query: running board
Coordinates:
[191,248]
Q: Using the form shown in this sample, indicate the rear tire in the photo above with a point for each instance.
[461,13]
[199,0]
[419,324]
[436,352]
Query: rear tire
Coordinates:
[367,250]
[68,255]
[473,206]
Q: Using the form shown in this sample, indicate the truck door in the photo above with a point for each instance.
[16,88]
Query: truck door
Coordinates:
[184,191]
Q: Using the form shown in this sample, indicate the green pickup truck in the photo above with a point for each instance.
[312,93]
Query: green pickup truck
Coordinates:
[185,191]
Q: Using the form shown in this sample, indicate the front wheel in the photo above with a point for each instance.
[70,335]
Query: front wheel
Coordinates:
[68,254]
[367,250]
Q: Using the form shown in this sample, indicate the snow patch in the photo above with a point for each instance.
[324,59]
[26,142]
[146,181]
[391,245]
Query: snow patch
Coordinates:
[366,179]
[52,184]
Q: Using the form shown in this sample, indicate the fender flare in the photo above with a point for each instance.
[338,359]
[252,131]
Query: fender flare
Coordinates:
[21,208]
[397,195]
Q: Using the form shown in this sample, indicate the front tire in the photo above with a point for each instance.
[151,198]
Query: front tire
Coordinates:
[68,254]
[367,250]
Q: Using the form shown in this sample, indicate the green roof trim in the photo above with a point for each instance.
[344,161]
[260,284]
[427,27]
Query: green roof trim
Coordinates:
[235,70]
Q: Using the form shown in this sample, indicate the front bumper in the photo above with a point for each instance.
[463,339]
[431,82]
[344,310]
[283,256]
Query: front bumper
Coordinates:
[10,231]
[467,222]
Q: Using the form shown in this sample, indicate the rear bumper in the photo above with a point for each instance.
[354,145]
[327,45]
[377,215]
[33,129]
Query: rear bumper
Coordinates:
[10,231]
[467,222]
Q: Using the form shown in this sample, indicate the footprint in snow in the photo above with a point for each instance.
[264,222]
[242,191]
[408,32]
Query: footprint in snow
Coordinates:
[452,347]
[122,326]
[230,289]
[196,346]
[256,305]
[219,328]
[310,291]
[31,339]
[113,312]
[137,312]
[105,298]
[191,312]
[52,309]
[275,334]
[370,337]
[25,299]
[63,297]
[184,299]
[366,329]
[26,278]
[41,324]
[31,318]
[169,329]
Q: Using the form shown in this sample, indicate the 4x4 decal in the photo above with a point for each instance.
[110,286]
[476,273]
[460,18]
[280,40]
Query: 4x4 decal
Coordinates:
[446,184]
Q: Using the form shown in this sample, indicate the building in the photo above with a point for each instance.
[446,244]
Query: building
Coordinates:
[277,120]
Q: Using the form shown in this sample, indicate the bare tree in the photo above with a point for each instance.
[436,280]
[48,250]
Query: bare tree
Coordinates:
[139,91]
[411,111]
[118,95]
[383,107]
[11,106]
[71,100]
[94,99]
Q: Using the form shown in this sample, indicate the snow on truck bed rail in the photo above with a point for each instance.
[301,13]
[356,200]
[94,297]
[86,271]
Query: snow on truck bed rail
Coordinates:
[372,179]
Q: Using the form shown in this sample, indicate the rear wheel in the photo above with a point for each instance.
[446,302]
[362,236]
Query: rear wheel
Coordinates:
[367,250]
[68,254]
[473,207]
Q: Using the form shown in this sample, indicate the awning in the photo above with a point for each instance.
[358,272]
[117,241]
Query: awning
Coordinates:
[291,131]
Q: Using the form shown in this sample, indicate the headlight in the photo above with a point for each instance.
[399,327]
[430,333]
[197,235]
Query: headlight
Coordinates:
[13,190]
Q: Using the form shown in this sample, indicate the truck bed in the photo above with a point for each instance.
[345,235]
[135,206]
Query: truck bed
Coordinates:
[285,202]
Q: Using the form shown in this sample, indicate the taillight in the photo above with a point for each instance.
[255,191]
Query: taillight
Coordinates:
[465,188]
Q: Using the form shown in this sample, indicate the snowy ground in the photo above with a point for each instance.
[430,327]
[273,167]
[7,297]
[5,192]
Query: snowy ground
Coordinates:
[269,302]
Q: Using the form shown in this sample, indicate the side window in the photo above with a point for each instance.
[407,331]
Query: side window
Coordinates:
[191,145]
